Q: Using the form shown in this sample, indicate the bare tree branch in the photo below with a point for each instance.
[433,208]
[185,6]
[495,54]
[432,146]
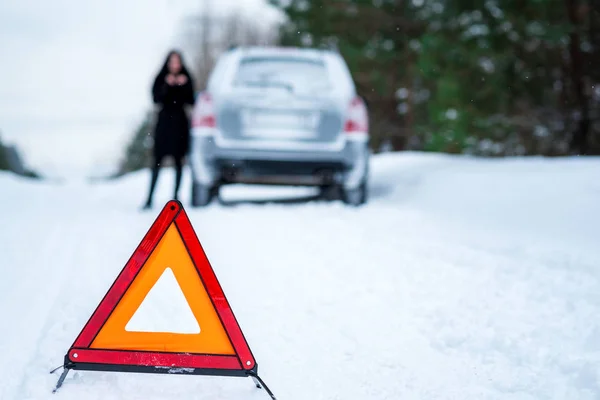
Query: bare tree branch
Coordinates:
[209,35]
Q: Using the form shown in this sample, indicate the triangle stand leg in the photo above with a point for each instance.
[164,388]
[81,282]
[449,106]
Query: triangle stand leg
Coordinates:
[56,369]
[261,384]
[256,382]
[61,379]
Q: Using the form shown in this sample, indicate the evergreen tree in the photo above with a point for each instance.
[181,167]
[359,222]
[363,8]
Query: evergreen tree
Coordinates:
[137,155]
[489,77]
[4,166]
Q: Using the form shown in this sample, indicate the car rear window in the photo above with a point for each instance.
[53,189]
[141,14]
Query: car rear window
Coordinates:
[293,73]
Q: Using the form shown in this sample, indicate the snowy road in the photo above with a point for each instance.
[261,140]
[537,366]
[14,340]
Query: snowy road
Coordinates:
[461,279]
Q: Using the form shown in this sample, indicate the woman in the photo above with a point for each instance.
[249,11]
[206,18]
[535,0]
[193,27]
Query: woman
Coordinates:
[173,89]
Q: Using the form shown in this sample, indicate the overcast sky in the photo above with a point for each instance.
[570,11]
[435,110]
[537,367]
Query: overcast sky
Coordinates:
[77,74]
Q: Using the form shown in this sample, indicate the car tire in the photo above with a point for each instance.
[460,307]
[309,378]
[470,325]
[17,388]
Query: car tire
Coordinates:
[202,195]
[356,197]
[329,193]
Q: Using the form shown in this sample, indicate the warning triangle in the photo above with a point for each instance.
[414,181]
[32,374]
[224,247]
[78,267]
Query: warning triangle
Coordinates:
[166,311]
[169,254]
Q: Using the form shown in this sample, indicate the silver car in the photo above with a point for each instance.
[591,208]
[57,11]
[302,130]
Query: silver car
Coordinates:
[283,116]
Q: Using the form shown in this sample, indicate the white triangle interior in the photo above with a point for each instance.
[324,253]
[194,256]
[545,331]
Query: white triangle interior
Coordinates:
[164,309]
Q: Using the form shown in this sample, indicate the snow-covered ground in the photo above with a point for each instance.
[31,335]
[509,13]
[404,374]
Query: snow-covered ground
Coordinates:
[461,279]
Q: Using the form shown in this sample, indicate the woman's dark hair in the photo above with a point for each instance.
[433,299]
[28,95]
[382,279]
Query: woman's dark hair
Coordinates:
[165,68]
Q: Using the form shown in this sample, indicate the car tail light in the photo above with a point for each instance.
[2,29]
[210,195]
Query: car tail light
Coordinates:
[204,112]
[357,119]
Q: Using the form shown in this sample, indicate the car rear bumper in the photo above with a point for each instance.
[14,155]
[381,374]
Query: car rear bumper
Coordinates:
[305,173]
[344,162]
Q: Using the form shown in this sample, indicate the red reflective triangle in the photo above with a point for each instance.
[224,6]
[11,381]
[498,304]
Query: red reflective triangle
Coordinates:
[82,355]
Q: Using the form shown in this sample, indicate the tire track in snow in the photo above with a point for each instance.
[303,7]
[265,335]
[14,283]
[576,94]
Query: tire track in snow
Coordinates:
[63,249]
[37,288]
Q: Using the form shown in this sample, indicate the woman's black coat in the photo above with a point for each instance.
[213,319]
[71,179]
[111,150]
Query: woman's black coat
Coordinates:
[172,131]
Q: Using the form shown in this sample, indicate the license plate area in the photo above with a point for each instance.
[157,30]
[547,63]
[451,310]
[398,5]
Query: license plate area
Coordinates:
[280,120]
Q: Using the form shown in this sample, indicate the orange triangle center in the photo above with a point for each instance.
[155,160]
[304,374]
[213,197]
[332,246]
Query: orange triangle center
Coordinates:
[170,253]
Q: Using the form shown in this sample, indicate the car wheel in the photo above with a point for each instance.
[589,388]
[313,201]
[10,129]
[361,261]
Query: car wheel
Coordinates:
[357,196]
[329,193]
[202,195]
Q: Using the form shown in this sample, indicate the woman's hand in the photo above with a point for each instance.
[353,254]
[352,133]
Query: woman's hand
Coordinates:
[181,79]
[170,79]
